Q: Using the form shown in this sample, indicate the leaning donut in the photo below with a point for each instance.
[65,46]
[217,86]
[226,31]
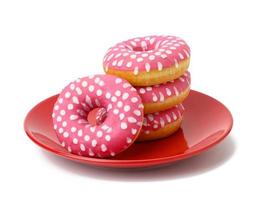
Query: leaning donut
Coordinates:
[118,119]
[146,61]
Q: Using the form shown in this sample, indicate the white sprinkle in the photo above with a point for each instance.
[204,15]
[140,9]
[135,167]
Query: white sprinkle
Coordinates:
[136,71]
[155,126]
[60,130]
[118,55]
[133,56]
[155,98]
[142,91]
[144,55]
[91,88]
[75,100]
[64,123]
[118,80]
[86,138]
[125,85]
[110,57]
[134,131]
[113,99]
[168,91]
[134,99]
[160,66]
[176,63]
[60,100]
[78,91]
[59,119]
[103,148]
[123,125]
[132,120]
[168,118]
[84,84]
[73,117]
[125,95]
[149,88]
[82,147]
[150,117]
[151,57]
[75,140]
[118,93]
[129,140]
[73,129]
[176,91]
[119,104]
[79,132]
[56,107]
[62,112]
[120,63]
[99,92]
[147,67]
[108,95]
[108,138]
[129,64]
[99,134]
[174,116]
[114,62]
[67,95]
[137,112]
[126,108]
[101,83]
[115,111]
[161,97]
[121,116]
[133,43]
[94,143]
[70,106]
[72,86]
[65,134]
[163,56]
[152,40]
[139,59]
[97,102]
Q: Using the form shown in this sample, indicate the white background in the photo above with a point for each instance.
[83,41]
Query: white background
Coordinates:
[46,44]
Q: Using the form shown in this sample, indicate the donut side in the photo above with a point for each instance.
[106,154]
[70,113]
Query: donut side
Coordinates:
[161,124]
[164,96]
[153,77]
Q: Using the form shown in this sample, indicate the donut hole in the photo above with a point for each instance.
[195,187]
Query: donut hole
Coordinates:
[97,116]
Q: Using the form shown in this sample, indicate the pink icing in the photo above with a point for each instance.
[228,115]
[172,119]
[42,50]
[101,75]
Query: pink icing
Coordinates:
[158,120]
[146,53]
[120,127]
[159,93]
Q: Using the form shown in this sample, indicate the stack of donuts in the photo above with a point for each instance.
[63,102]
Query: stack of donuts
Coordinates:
[157,67]
[138,99]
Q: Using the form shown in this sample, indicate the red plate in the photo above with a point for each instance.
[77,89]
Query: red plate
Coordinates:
[206,122]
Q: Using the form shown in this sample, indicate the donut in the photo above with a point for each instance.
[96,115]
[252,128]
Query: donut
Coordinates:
[164,96]
[161,124]
[150,60]
[118,111]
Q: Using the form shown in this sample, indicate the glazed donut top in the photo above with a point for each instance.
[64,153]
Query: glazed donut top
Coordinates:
[157,120]
[146,54]
[159,93]
[119,129]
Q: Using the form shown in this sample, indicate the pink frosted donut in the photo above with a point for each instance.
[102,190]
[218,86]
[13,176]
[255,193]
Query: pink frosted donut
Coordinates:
[161,124]
[164,96]
[151,60]
[118,120]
